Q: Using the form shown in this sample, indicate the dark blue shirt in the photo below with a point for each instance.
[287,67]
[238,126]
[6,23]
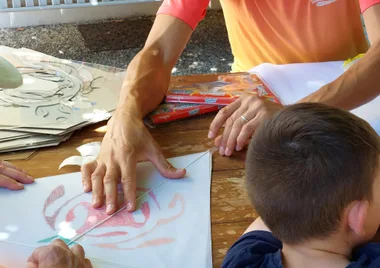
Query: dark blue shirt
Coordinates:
[261,249]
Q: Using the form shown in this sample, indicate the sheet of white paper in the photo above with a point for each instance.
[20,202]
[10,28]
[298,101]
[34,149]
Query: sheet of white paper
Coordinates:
[49,131]
[12,156]
[42,131]
[6,135]
[23,147]
[171,228]
[292,82]
[26,142]
[35,141]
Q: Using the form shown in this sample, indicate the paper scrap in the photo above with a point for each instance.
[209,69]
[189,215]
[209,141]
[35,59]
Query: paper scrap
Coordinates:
[88,152]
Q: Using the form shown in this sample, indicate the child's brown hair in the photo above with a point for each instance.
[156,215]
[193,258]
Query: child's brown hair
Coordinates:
[305,165]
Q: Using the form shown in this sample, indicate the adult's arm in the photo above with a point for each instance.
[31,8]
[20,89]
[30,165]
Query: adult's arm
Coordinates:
[361,83]
[148,74]
[127,140]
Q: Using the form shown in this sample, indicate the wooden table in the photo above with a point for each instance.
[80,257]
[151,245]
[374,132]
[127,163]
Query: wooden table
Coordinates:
[231,212]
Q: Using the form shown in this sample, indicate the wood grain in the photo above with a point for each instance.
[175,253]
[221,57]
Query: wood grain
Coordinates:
[231,212]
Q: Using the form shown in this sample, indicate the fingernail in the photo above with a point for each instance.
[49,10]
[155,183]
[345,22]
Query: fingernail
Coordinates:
[210,135]
[30,178]
[181,170]
[21,186]
[129,206]
[85,186]
[109,207]
[228,151]
[221,151]
[238,148]
[94,200]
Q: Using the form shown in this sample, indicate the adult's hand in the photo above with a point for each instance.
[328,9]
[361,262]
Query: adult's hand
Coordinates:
[126,142]
[12,177]
[240,118]
[58,255]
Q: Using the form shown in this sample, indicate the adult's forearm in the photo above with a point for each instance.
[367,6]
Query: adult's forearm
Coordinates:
[146,82]
[357,86]
[148,74]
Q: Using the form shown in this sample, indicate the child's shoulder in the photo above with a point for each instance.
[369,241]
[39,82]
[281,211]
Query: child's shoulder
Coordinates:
[255,249]
[261,249]
[367,255]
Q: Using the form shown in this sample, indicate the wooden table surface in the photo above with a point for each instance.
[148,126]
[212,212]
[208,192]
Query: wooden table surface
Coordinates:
[231,212]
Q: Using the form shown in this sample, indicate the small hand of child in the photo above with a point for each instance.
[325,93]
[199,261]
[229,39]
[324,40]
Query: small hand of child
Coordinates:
[12,177]
[59,255]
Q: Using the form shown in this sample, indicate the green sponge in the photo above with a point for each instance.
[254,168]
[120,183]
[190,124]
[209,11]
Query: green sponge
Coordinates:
[10,77]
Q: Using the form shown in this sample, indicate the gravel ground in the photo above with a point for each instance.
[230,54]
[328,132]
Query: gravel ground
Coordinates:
[115,43]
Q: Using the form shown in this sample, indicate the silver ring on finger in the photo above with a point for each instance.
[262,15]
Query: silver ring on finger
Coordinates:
[244,119]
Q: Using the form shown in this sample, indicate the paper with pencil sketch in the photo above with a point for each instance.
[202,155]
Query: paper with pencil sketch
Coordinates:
[170,229]
[57,94]
[56,98]
[292,82]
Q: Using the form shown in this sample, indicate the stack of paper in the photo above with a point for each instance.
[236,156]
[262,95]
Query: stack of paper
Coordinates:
[57,97]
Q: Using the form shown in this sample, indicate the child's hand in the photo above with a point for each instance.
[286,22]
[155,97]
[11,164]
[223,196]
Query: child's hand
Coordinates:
[12,177]
[59,255]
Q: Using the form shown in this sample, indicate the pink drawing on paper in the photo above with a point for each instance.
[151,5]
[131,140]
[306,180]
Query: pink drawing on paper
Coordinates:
[124,231]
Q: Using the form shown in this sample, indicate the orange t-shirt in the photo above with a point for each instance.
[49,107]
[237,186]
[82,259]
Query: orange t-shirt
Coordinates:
[280,32]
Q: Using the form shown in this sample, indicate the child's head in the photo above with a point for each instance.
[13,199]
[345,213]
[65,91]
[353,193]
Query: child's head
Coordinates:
[312,171]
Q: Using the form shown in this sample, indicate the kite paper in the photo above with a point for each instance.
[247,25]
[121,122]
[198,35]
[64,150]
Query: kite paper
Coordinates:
[171,228]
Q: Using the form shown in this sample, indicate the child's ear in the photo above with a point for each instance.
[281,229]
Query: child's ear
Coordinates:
[357,215]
